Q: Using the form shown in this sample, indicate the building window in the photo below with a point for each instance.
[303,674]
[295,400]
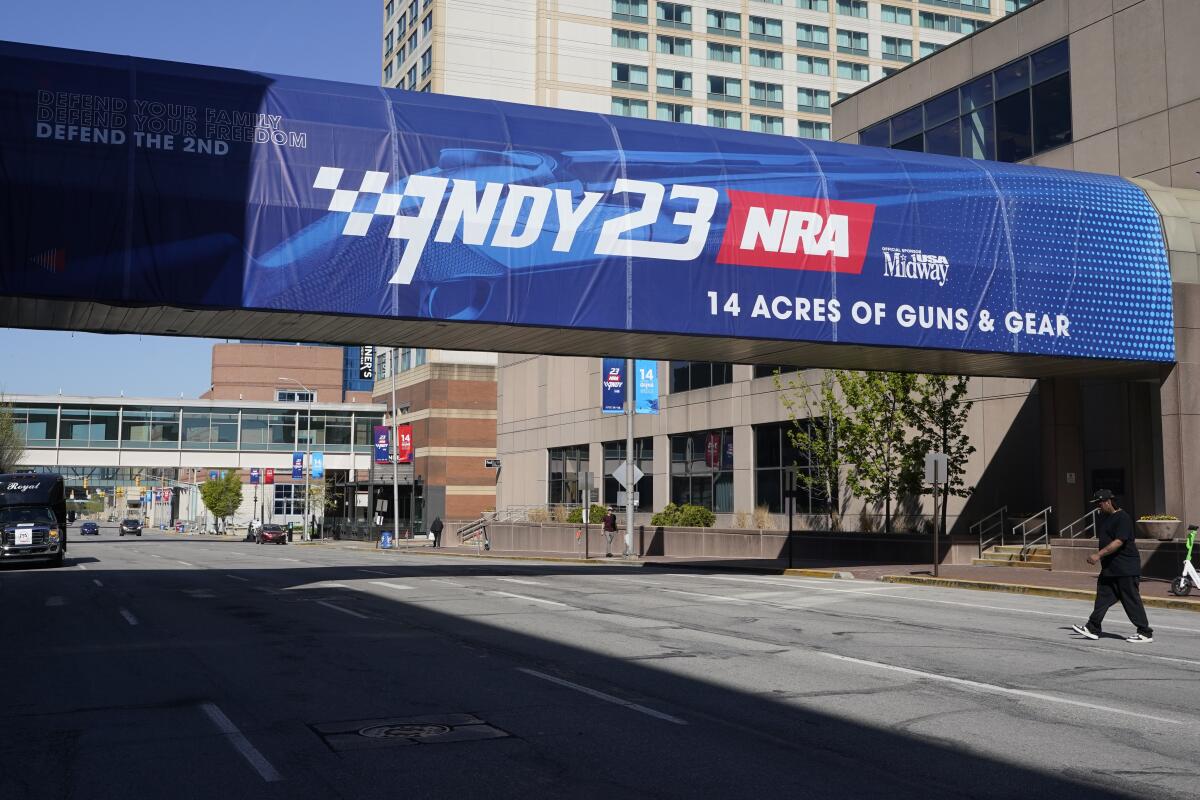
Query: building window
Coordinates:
[812,101]
[852,8]
[1013,6]
[629,76]
[140,427]
[389,9]
[702,469]
[813,130]
[1018,110]
[813,5]
[770,59]
[947,22]
[630,40]
[426,62]
[724,23]
[724,90]
[853,71]
[85,427]
[566,464]
[761,123]
[643,459]
[774,457]
[671,112]
[289,499]
[427,25]
[673,15]
[766,95]
[769,370]
[852,42]
[674,46]
[410,46]
[629,10]
[389,42]
[627,107]
[812,65]
[896,49]
[204,430]
[412,77]
[719,118]
[674,82]
[896,15]
[290,396]
[413,10]
[929,48]
[729,53]
[387,71]
[689,375]
[814,37]
[765,29]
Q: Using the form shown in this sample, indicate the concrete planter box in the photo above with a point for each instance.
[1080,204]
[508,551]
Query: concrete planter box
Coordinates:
[1163,530]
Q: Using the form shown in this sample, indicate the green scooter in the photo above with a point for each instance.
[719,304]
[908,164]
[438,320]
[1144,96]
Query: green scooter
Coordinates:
[1182,586]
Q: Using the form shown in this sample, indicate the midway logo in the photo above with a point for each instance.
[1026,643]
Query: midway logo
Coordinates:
[915,265]
[805,233]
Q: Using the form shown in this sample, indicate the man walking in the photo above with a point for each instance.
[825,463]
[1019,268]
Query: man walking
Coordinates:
[436,529]
[1120,571]
[610,530]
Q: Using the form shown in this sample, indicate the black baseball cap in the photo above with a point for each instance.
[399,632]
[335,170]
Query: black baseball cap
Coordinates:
[1101,495]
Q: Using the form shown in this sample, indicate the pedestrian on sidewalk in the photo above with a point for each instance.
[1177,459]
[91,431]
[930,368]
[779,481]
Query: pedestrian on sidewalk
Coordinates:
[1120,571]
[436,529]
[610,529]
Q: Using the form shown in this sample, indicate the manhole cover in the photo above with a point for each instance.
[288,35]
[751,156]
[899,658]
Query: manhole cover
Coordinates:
[404,729]
[365,734]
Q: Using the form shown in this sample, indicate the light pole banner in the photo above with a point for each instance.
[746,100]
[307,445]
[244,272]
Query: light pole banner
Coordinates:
[318,465]
[269,475]
[297,466]
[404,444]
[612,381]
[382,444]
[647,386]
[255,474]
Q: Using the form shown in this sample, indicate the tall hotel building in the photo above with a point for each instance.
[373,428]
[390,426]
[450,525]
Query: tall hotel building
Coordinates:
[775,66]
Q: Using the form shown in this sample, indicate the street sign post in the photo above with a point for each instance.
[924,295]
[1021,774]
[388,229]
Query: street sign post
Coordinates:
[935,474]
[625,477]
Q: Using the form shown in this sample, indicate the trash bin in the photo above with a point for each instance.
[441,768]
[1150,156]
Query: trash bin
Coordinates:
[291,533]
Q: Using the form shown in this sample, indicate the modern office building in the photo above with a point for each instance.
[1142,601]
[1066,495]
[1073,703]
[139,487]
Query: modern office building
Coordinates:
[774,66]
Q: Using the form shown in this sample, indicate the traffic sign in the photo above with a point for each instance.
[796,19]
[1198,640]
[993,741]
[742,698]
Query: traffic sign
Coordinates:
[625,477]
[491,463]
[935,468]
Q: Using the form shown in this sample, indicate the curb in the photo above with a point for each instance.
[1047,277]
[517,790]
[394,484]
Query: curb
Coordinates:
[1035,591]
[820,573]
[551,559]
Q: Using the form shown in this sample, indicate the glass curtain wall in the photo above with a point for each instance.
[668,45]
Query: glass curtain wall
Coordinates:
[702,469]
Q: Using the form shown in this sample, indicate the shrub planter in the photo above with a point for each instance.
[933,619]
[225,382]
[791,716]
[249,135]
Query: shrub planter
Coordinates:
[1161,529]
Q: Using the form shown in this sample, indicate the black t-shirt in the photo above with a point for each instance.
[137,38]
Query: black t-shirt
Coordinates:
[1126,561]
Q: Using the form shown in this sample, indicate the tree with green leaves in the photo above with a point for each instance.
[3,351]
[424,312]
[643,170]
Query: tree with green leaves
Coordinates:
[875,436]
[817,416]
[222,496]
[12,439]
[938,413]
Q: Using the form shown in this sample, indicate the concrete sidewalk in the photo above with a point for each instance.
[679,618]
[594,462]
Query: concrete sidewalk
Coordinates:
[1016,580]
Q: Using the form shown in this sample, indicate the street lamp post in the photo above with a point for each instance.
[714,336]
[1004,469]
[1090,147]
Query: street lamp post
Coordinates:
[307,452]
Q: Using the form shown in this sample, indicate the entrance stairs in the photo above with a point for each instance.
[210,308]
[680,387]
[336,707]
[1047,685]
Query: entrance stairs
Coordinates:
[1014,555]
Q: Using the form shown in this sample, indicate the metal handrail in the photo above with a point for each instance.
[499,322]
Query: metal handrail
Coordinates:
[1074,531]
[992,522]
[1027,527]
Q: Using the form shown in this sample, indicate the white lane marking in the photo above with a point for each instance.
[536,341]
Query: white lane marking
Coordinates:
[608,698]
[717,597]
[236,578]
[333,585]
[374,572]
[343,610]
[249,752]
[130,618]
[522,582]
[81,566]
[532,599]
[55,601]
[993,688]
[389,585]
[451,583]
[98,583]
[267,589]
[185,563]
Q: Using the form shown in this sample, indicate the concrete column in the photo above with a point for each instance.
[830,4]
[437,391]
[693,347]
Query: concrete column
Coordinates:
[662,471]
[1064,483]
[743,468]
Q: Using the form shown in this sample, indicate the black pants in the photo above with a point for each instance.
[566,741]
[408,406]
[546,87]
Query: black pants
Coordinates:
[1123,588]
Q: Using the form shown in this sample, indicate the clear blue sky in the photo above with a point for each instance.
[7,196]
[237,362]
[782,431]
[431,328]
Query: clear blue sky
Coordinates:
[335,39]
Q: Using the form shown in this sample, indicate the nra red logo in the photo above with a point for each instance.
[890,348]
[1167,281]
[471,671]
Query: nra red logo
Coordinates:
[785,232]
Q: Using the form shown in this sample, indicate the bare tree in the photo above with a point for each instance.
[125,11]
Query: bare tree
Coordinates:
[12,440]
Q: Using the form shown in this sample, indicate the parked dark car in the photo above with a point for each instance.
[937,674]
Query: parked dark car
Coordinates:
[89,529]
[272,534]
[131,526]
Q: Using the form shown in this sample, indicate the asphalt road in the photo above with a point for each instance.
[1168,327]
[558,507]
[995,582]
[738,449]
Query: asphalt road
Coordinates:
[192,667]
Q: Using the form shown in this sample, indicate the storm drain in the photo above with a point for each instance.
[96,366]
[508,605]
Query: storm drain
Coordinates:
[365,734]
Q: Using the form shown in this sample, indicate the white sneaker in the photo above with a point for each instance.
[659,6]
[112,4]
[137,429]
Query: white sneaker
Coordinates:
[1140,638]
[1083,630]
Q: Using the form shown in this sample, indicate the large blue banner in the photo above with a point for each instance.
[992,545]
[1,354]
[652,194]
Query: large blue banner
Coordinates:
[646,374]
[145,183]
